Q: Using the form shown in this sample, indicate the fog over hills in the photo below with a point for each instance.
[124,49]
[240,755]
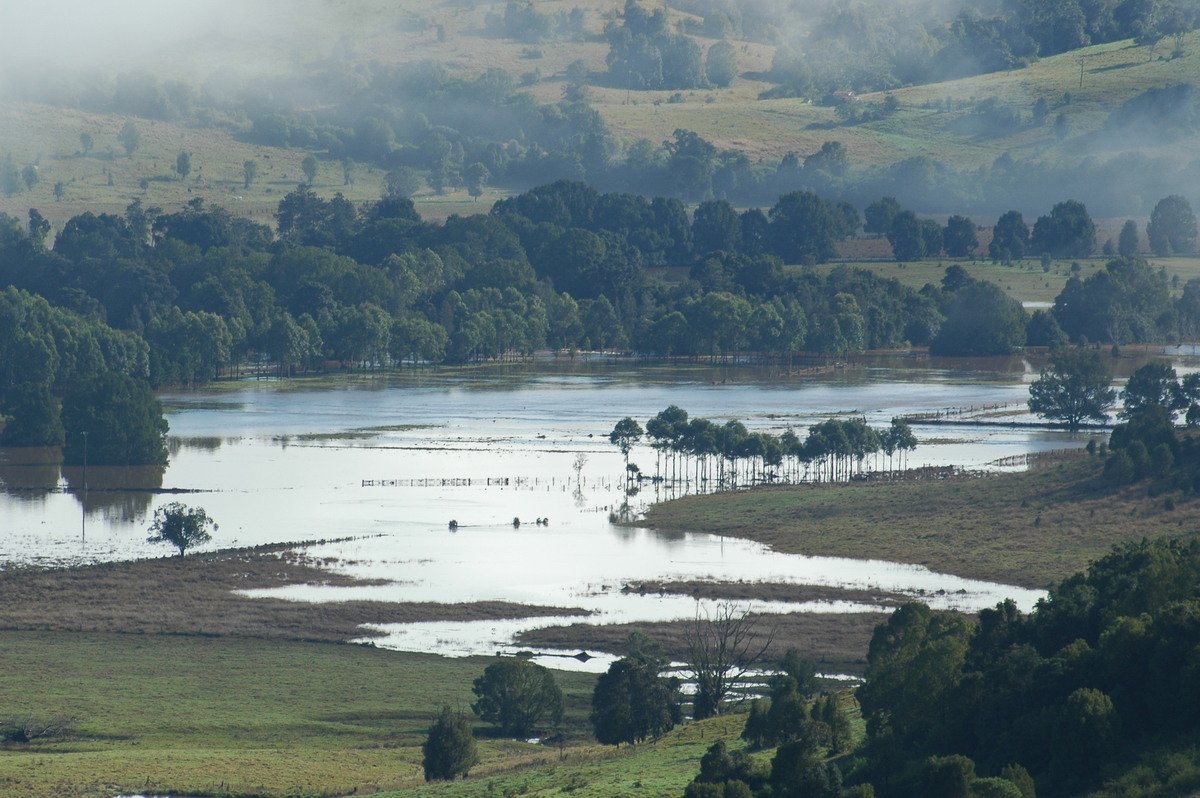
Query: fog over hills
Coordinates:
[538,92]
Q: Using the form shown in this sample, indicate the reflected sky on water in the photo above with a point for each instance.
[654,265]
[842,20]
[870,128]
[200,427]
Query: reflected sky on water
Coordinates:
[276,463]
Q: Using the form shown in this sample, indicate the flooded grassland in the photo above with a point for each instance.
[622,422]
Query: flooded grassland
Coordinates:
[378,468]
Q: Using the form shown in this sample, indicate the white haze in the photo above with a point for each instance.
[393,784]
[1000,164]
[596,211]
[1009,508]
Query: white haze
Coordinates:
[112,36]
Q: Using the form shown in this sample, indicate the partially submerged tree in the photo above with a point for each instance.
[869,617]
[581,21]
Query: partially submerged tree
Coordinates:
[625,436]
[182,526]
[1074,389]
[122,419]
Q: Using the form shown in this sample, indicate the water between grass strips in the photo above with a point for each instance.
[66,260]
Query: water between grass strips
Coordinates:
[390,462]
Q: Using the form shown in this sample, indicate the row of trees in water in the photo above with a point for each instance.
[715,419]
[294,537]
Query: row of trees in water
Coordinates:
[702,451]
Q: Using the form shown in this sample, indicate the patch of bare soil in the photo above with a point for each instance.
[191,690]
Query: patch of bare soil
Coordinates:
[194,595]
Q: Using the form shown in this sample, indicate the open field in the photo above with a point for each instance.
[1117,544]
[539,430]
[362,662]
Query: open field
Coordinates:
[766,130]
[1025,281]
[1031,528]
[233,716]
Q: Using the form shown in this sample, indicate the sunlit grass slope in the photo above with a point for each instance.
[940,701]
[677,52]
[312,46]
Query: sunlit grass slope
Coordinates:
[217,716]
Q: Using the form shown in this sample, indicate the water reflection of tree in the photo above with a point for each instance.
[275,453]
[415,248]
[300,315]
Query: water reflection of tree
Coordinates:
[29,472]
[121,493]
[578,464]
[198,443]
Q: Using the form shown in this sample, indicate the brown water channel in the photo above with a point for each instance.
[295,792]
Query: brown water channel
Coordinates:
[389,462]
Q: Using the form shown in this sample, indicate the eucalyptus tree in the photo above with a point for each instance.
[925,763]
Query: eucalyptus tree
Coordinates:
[701,441]
[625,436]
[665,430]
[729,442]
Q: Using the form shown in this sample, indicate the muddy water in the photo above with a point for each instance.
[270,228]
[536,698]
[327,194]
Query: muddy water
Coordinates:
[390,462]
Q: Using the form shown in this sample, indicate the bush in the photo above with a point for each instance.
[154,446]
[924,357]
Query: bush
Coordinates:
[449,751]
[27,728]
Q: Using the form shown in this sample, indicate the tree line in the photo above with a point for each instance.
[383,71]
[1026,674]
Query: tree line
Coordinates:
[701,451]
[197,293]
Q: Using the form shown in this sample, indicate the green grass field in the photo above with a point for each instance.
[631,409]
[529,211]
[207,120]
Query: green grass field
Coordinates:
[217,716]
[1030,528]
[232,717]
[1025,281]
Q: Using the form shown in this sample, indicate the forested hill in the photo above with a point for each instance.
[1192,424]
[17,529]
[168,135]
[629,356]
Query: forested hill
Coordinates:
[976,108]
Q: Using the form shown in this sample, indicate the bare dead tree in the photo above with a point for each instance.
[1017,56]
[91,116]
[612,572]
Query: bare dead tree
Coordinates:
[723,646]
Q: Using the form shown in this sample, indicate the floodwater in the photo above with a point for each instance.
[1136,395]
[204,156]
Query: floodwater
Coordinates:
[381,466]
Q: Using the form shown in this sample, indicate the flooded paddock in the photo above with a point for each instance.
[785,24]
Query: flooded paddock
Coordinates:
[384,465]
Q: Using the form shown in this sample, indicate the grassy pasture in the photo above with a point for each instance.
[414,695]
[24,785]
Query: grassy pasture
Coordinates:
[1030,528]
[768,129]
[1025,281]
[232,716]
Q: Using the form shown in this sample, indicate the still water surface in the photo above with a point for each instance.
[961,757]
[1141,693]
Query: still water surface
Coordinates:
[276,463]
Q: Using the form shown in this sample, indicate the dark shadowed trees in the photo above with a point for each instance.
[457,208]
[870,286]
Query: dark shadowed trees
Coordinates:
[517,695]
[958,238]
[33,417]
[1010,238]
[1172,226]
[1127,241]
[805,227]
[1066,232]
[632,701]
[906,237]
[122,418]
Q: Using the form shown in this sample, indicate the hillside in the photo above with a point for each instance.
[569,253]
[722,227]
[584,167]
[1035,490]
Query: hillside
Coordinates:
[346,43]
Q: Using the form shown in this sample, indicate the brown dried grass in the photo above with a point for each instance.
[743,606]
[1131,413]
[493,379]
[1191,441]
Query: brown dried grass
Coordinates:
[195,595]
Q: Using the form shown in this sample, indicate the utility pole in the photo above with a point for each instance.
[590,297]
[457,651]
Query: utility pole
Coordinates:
[83,515]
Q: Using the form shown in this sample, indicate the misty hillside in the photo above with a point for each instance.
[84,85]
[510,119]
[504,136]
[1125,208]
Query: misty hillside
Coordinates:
[951,107]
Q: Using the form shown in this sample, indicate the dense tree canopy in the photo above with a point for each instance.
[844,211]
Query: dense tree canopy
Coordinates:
[1101,663]
[1172,226]
[632,701]
[122,419]
[517,695]
[1076,388]
[1066,232]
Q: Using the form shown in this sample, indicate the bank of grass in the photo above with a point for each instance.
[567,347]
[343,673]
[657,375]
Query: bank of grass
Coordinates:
[232,716]
[656,769]
[1025,281]
[1030,529]
[200,595]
